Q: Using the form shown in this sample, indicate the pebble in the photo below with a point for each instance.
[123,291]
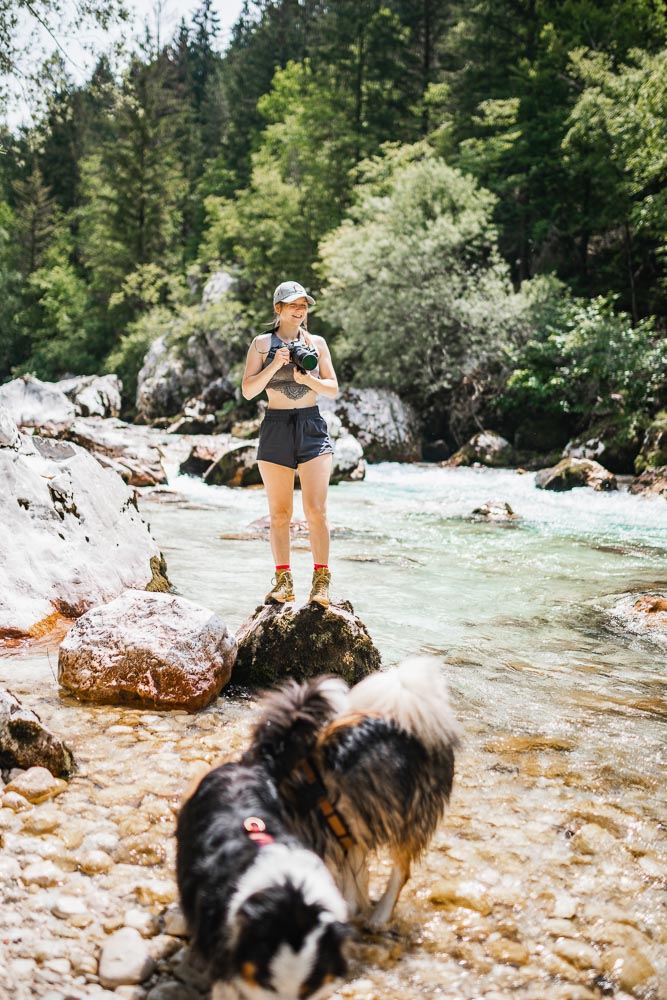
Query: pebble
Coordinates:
[577,953]
[629,967]
[37,784]
[9,869]
[509,952]
[471,895]
[174,922]
[143,921]
[43,820]
[15,801]
[93,862]
[171,991]
[156,891]
[565,906]
[594,839]
[42,873]
[125,959]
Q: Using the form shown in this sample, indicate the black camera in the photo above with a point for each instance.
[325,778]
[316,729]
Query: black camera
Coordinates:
[305,358]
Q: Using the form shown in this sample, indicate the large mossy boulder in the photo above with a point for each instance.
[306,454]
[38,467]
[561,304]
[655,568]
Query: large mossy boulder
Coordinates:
[654,446]
[282,640]
[485,448]
[150,650]
[25,742]
[572,472]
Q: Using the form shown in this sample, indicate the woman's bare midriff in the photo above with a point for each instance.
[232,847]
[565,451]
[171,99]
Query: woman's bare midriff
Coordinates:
[279,401]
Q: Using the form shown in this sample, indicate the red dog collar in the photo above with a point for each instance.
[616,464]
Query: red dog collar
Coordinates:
[256,830]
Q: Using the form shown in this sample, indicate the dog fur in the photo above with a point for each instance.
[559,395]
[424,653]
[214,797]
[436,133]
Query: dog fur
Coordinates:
[263,910]
[383,754]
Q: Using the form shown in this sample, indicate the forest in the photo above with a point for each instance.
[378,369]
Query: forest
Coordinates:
[474,191]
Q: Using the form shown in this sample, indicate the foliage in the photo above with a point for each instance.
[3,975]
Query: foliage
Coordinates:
[584,361]
[414,281]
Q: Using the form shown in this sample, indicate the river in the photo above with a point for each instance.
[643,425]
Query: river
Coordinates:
[547,878]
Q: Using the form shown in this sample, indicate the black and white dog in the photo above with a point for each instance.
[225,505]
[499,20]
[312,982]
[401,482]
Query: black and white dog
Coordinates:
[262,909]
[331,774]
[377,774]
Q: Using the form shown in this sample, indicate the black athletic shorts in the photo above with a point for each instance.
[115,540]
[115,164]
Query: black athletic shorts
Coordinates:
[290,437]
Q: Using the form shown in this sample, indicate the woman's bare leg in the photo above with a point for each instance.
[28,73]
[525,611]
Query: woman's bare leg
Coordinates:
[279,483]
[314,478]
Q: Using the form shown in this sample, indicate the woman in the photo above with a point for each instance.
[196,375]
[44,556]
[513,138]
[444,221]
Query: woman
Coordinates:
[293,435]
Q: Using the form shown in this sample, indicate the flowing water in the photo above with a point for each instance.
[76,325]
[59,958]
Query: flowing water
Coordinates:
[547,878]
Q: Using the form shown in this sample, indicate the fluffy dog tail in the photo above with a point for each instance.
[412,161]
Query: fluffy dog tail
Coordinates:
[290,721]
[414,696]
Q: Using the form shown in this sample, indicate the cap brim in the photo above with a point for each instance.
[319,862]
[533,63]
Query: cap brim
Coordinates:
[292,298]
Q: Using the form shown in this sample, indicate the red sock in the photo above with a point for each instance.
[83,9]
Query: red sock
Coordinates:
[283,567]
[321,566]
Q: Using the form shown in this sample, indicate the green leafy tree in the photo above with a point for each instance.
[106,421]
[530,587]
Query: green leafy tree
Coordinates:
[414,282]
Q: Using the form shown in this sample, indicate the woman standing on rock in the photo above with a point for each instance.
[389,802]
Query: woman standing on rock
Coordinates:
[294,367]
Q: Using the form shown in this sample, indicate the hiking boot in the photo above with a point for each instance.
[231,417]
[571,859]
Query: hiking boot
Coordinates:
[283,588]
[319,592]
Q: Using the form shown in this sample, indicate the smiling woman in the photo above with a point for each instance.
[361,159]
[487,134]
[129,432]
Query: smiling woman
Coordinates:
[293,367]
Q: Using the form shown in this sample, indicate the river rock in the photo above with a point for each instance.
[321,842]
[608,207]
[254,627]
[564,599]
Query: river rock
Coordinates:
[628,967]
[484,448]
[125,959]
[644,615]
[385,426]
[571,472]
[236,466]
[348,458]
[93,395]
[498,511]
[150,650]
[72,535]
[9,432]
[195,419]
[37,405]
[130,450]
[652,482]
[37,784]
[26,743]
[653,451]
[204,454]
[283,640]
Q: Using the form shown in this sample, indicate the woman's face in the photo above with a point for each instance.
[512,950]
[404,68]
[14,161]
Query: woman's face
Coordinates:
[296,311]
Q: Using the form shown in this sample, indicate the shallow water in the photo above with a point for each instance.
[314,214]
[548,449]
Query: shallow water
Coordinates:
[547,878]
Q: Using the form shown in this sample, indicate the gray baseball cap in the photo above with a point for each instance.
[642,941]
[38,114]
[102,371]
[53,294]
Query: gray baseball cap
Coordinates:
[290,291]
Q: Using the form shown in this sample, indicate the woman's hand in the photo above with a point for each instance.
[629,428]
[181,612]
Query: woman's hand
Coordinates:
[281,357]
[303,378]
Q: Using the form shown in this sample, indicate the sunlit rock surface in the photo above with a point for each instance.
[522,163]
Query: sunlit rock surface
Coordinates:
[154,650]
[93,395]
[26,743]
[571,472]
[70,534]
[384,425]
[283,640]
[484,448]
[497,511]
[235,466]
[131,451]
[37,405]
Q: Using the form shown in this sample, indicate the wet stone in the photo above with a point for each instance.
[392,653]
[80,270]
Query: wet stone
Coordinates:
[43,820]
[628,967]
[36,785]
[42,873]
[593,839]
[125,959]
[143,921]
[471,895]
[577,953]
[12,800]
[94,862]
[509,952]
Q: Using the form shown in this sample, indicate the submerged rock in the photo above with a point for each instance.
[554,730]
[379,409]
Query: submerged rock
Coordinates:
[73,535]
[571,472]
[485,448]
[26,743]
[643,615]
[282,640]
[494,510]
[150,650]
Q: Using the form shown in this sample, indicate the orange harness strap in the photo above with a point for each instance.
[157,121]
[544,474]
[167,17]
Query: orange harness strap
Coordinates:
[330,814]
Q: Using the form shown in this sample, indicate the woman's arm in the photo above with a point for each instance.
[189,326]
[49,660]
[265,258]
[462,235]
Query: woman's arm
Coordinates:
[327,383]
[255,378]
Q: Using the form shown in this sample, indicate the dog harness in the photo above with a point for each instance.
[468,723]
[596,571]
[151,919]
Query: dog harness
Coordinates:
[320,799]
